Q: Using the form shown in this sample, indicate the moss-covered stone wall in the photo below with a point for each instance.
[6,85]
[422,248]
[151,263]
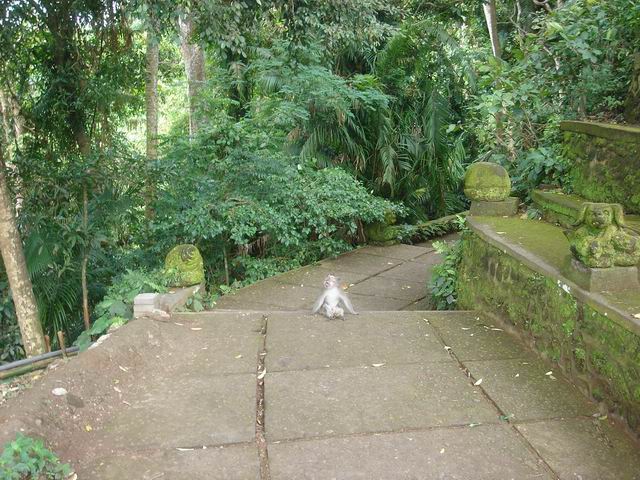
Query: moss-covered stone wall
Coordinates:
[605,162]
[602,357]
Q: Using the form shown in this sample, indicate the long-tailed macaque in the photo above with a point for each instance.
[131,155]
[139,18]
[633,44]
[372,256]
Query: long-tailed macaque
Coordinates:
[330,299]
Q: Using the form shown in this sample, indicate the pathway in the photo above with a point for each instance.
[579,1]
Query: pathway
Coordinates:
[271,392]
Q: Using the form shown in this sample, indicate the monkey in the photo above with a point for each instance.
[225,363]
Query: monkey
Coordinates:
[330,299]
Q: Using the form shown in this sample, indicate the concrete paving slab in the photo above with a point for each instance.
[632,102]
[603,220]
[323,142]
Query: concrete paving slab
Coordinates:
[586,449]
[487,452]
[303,404]
[401,252]
[184,411]
[236,462]
[314,276]
[430,258]
[235,303]
[411,271]
[420,305]
[368,303]
[473,338]
[391,287]
[523,389]
[227,344]
[361,263]
[298,342]
[275,296]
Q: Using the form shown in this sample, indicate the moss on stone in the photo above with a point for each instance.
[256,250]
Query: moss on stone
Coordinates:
[484,181]
[381,234]
[600,240]
[605,169]
[185,262]
[600,355]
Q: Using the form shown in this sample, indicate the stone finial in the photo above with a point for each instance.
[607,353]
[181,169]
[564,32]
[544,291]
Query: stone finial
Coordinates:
[600,240]
[186,262]
[487,182]
[488,186]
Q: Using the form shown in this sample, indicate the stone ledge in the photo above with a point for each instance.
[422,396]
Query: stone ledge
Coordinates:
[611,131]
[150,304]
[538,264]
[565,208]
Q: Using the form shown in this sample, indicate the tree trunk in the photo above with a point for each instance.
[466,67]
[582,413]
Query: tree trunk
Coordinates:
[86,316]
[151,94]
[18,121]
[6,117]
[193,57]
[489,7]
[18,276]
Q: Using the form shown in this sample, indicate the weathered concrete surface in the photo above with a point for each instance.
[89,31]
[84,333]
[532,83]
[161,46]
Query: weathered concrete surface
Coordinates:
[584,448]
[526,390]
[235,462]
[388,398]
[487,452]
[177,399]
[302,342]
[376,279]
[471,337]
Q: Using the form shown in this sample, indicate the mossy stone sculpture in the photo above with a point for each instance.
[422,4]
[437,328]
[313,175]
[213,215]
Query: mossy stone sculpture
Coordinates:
[383,233]
[186,262]
[600,240]
[487,182]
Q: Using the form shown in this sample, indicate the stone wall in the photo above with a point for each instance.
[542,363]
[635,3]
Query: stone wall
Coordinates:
[600,355]
[605,162]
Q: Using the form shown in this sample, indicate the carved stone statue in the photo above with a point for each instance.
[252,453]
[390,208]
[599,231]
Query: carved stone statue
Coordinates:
[185,262]
[600,241]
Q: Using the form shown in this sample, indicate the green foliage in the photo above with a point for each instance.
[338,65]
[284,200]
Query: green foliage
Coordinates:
[260,210]
[116,308]
[537,166]
[26,458]
[317,116]
[574,61]
[444,278]
[433,228]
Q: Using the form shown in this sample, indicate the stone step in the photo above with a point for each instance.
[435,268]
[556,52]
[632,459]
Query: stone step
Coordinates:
[558,207]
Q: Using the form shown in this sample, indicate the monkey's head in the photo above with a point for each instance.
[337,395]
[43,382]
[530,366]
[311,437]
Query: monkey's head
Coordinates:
[601,215]
[331,281]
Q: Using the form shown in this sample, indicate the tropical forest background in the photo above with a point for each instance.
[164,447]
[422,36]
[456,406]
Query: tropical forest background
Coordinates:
[268,133]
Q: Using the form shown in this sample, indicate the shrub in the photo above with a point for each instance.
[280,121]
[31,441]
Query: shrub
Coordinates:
[116,308]
[26,458]
[445,275]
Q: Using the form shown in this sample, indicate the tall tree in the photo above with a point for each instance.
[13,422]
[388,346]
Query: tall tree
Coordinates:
[489,8]
[193,58]
[16,267]
[151,97]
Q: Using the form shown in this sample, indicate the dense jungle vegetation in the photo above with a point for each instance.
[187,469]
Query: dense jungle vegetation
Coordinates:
[268,133]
